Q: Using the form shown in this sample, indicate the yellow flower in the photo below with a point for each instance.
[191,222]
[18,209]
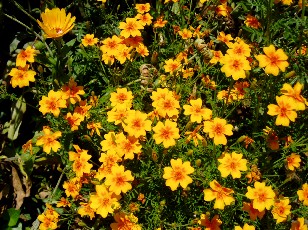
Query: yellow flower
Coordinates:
[177,174]
[137,124]
[245,227]
[171,66]
[121,98]
[293,161]
[89,40]
[281,210]
[285,110]
[166,133]
[224,38]
[118,179]
[56,23]
[128,145]
[303,194]
[144,19]
[118,114]
[63,203]
[235,66]
[71,91]
[49,140]
[238,49]
[142,50]
[74,120]
[262,196]
[273,60]
[167,106]
[160,22]
[253,213]
[232,164]
[72,187]
[49,218]
[86,210]
[52,103]
[123,54]
[143,8]
[108,159]
[185,34]
[21,76]
[221,195]
[196,112]
[94,127]
[217,129]
[25,56]
[299,224]
[217,56]
[130,28]
[81,165]
[295,94]
[209,224]
[111,45]
[125,222]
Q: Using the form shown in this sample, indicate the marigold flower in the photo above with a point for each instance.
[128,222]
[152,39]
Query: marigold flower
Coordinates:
[224,38]
[122,98]
[245,227]
[273,60]
[123,54]
[124,222]
[49,219]
[166,133]
[221,195]
[55,23]
[118,115]
[167,106]
[109,142]
[195,136]
[80,165]
[86,210]
[232,164]
[160,22]
[293,161]
[72,187]
[295,94]
[74,120]
[285,110]
[25,56]
[177,174]
[72,92]
[217,56]
[142,50]
[137,124]
[253,213]
[89,40]
[254,174]
[171,66]
[63,203]
[21,76]
[213,224]
[128,145]
[130,28]
[303,194]
[143,8]
[94,127]
[49,140]
[223,10]
[235,66]
[144,19]
[281,210]
[189,72]
[252,22]
[111,45]
[196,112]
[104,201]
[217,129]
[299,224]
[238,49]
[262,196]
[83,108]
[132,41]
[185,34]
[52,103]
[108,159]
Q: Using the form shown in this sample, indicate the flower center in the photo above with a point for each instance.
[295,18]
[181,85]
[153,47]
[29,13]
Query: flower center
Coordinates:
[218,129]
[59,31]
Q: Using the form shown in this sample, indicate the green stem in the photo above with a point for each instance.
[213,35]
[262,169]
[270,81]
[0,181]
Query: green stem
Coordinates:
[22,9]
[269,14]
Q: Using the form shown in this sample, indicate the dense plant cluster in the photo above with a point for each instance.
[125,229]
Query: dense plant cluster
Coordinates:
[169,114]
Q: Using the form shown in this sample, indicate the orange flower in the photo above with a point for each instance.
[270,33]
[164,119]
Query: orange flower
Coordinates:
[221,195]
[49,140]
[213,224]
[303,194]
[299,224]
[185,34]
[167,106]
[21,76]
[224,38]
[143,8]
[80,165]
[293,161]
[159,23]
[281,210]
[252,22]
[121,98]
[128,145]
[137,124]
[86,210]
[273,60]
[144,19]
[89,40]
[217,129]
[142,50]
[232,164]
[130,28]
[25,56]
[72,187]
[111,45]
[239,49]
[74,120]
[166,133]
[245,227]
[235,66]
[71,91]
[262,196]
[196,112]
[125,222]
[253,213]
[295,94]
[223,10]
[217,56]
[52,103]
[172,66]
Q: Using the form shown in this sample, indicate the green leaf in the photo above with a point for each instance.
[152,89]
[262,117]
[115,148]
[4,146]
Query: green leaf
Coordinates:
[13,216]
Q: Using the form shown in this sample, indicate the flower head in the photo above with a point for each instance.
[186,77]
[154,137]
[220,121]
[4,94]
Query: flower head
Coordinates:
[137,124]
[196,112]
[252,22]
[177,174]
[130,28]
[21,76]
[281,210]
[303,194]
[49,140]
[253,213]
[143,8]
[172,66]
[293,161]
[299,224]
[235,66]
[295,94]
[56,23]
[25,56]
[52,103]
[125,222]
[166,133]
[89,40]
[245,227]
[210,224]
[232,164]
[262,196]
[217,129]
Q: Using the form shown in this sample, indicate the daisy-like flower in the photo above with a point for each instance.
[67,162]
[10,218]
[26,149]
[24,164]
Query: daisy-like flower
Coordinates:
[80,165]
[196,112]
[131,27]
[189,72]
[166,133]
[22,76]
[86,210]
[295,94]
[111,45]
[235,66]
[210,224]
[293,161]
[252,22]
[281,210]
[89,40]
[52,103]
[172,66]
[160,22]
[245,227]
[49,140]
[108,59]
[118,115]
[217,56]
[25,56]
[220,194]
[128,145]
[125,222]
[167,106]
[55,23]
[121,98]
[177,174]
[72,92]
[232,164]
[185,34]
[104,201]
[194,135]
[142,50]
[285,110]
[94,127]
[299,224]
[123,54]
[226,38]
[63,203]
[262,196]
[217,129]
[119,179]
[109,142]
[303,194]
[273,60]
[223,10]
[72,187]
[133,41]
[108,160]
[143,8]
[74,120]
[253,213]
[137,124]
[239,49]
[144,19]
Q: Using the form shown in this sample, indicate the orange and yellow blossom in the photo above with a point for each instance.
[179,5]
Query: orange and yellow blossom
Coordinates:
[108,159]
[223,10]
[89,40]
[72,187]
[262,196]
[160,22]
[209,224]
[125,222]
[167,106]
[281,209]
[130,28]
[142,50]
[293,161]
[128,145]
[285,110]
[221,195]
[253,213]
[55,23]
[74,120]
[118,180]
[299,224]
[217,56]
[217,129]
[111,45]
[104,201]
[232,164]
[21,76]
[196,112]
[239,49]
[123,54]
[81,158]
[143,8]
[63,202]
[137,124]
[52,103]
[122,98]
[25,56]
[177,174]
[118,115]
[94,127]
[303,194]
[172,66]
[252,22]
[144,19]
[166,133]
[224,38]
[245,227]
[49,140]
[273,60]
[86,210]
[109,142]
[235,66]
[295,94]
[185,34]
[72,92]
[49,218]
